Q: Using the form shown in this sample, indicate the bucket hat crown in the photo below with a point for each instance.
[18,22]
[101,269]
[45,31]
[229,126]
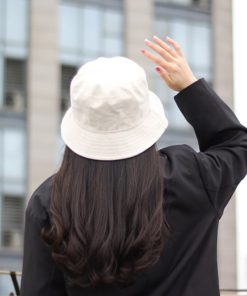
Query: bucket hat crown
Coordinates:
[113,115]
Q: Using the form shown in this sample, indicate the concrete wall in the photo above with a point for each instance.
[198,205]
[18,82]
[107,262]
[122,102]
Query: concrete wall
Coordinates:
[223,84]
[43,96]
[138,26]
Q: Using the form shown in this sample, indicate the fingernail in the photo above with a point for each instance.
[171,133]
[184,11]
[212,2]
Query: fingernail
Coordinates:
[155,37]
[146,40]
[158,69]
[143,50]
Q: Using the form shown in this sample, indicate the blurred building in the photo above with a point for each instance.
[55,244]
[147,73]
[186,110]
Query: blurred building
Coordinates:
[42,43]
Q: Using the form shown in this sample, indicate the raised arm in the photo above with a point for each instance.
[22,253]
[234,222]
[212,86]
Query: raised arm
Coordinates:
[222,162]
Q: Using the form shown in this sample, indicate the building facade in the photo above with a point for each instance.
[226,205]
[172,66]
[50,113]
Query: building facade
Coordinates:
[42,43]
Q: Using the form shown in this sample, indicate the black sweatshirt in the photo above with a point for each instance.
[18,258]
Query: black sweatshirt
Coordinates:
[198,186]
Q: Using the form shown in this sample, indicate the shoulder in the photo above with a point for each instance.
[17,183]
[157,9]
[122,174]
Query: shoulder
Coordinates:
[180,164]
[182,154]
[38,203]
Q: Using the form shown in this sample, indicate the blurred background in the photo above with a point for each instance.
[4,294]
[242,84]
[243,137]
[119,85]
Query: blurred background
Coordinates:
[42,43]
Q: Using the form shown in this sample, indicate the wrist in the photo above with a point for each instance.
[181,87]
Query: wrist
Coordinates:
[189,82]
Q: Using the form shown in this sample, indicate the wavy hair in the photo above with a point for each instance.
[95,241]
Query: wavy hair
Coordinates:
[107,222]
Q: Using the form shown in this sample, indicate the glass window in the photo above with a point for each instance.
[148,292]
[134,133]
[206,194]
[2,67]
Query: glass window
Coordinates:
[67,73]
[96,30]
[1,80]
[1,159]
[13,154]
[2,18]
[112,46]
[14,87]
[202,3]
[179,29]
[16,21]
[91,29]
[113,22]
[69,29]
[12,186]
[194,37]
[14,28]
[161,28]
[12,221]
[174,116]
[200,50]
[177,1]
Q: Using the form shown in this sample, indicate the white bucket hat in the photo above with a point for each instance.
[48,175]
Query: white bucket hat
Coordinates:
[113,115]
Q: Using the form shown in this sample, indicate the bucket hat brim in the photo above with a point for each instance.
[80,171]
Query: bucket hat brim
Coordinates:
[116,145]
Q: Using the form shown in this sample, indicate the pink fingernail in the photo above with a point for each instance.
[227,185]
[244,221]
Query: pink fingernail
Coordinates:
[143,50]
[158,69]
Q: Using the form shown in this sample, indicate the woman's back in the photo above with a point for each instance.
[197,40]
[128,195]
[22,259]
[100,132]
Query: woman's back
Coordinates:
[196,189]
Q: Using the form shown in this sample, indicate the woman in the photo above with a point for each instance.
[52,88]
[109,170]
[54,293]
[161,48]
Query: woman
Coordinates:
[119,217]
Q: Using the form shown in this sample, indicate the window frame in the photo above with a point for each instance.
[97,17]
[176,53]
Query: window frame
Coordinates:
[106,3]
[192,7]
[10,119]
[81,55]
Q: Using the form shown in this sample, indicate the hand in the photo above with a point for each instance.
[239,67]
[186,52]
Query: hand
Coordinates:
[171,63]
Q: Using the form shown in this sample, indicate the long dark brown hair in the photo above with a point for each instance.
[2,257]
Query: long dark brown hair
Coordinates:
[107,217]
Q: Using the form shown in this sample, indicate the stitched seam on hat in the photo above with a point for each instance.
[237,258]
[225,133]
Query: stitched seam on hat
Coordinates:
[100,96]
[116,131]
[75,104]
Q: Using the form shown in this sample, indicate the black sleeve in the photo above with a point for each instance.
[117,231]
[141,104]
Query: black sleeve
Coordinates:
[40,275]
[222,160]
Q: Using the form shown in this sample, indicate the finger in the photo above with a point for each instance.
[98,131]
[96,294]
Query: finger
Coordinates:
[164,46]
[175,45]
[160,50]
[164,74]
[157,60]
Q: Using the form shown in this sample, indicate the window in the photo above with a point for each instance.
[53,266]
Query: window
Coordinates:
[13,148]
[13,52]
[14,27]
[67,73]
[91,30]
[186,2]
[14,86]
[199,3]
[192,31]
[69,29]
[16,21]
[12,185]
[88,31]
[12,221]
